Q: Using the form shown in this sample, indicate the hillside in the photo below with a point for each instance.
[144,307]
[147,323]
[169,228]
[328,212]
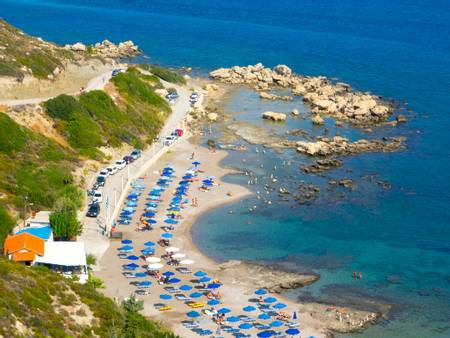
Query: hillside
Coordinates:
[36,302]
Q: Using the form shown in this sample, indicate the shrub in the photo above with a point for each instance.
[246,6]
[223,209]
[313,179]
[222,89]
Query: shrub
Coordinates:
[65,224]
[14,140]
[62,107]
[166,74]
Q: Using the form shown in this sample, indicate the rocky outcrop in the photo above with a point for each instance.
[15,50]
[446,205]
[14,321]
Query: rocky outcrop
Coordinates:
[320,93]
[107,49]
[338,145]
[269,96]
[270,115]
[317,120]
[321,165]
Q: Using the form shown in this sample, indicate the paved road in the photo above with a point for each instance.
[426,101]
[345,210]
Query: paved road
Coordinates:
[114,191]
[95,83]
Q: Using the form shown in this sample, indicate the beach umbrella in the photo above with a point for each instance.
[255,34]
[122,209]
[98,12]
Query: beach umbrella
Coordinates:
[132,265]
[196,163]
[150,221]
[131,204]
[213,302]
[172,249]
[149,214]
[270,300]
[149,243]
[260,292]
[187,262]
[140,274]
[178,255]
[204,279]
[193,314]
[153,259]
[279,306]
[127,241]
[165,296]
[200,274]
[276,323]
[166,236]
[292,332]
[264,316]
[133,258]
[174,280]
[249,308]
[126,248]
[214,286]
[245,326]
[233,319]
[144,284]
[295,315]
[224,310]
[147,251]
[185,287]
[169,273]
[174,209]
[155,266]
[171,221]
[195,295]
[265,334]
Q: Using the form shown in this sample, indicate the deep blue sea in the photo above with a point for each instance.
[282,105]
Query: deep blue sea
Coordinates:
[399,237]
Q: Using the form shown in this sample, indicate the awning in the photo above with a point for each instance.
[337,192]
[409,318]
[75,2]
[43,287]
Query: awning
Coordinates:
[64,254]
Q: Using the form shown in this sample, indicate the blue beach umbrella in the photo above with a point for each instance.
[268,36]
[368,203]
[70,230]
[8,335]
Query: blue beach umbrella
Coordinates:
[144,284]
[133,258]
[126,248]
[149,243]
[149,214]
[140,274]
[147,251]
[260,292]
[276,323]
[151,221]
[168,273]
[196,163]
[295,315]
[214,286]
[132,265]
[131,204]
[264,316]
[195,295]
[127,241]
[224,310]
[185,287]
[292,332]
[204,279]
[174,209]
[265,334]
[279,306]
[270,300]
[200,274]
[245,326]
[174,280]
[193,314]
[166,236]
[213,302]
[171,221]
[233,319]
[165,296]
[249,308]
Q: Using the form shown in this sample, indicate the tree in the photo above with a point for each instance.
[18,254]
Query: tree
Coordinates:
[65,224]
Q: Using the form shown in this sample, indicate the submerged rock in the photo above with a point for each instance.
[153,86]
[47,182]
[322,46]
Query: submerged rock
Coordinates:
[270,115]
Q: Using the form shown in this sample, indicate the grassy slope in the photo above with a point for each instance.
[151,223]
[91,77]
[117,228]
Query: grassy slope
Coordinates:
[33,166]
[21,50]
[47,304]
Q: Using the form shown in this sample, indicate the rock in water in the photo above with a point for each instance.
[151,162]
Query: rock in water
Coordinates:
[317,120]
[401,118]
[270,115]
[295,112]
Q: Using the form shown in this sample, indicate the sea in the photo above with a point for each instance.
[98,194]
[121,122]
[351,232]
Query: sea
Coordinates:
[394,225]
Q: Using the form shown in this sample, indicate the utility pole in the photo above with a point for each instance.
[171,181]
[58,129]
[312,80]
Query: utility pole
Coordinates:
[25,210]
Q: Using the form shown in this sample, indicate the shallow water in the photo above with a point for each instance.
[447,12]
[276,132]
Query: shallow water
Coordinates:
[398,238]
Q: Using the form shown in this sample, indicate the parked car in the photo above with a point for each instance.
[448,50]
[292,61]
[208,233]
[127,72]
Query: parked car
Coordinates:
[169,140]
[94,210]
[172,96]
[117,71]
[135,154]
[101,179]
[98,196]
[112,170]
[104,172]
[128,159]
[120,164]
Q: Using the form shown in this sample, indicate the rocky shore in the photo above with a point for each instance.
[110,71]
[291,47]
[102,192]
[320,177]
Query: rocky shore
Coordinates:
[324,96]
[107,49]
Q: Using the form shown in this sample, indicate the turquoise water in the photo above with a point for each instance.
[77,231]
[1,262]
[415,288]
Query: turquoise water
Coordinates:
[399,238]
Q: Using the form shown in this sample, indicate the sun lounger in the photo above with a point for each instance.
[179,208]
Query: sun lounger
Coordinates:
[159,306]
[232,330]
[194,305]
[165,309]
[183,297]
[190,324]
[171,289]
[293,324]
[260,326]
[184,270]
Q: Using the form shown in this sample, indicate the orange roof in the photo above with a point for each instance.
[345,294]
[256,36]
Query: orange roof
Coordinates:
[23,256]
[24,241]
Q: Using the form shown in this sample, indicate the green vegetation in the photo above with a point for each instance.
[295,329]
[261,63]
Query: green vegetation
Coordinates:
[65,224]
[22,50]
[43,302]
[166,74]
[35,167]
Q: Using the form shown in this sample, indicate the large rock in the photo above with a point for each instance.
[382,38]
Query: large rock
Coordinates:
[212,117]
[317,120]
[270,115]
[78,47]
[283,70]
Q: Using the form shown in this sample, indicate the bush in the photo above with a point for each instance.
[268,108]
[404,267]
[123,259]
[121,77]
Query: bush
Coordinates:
[65,224]
[62,107]
[14,140]
[166,74]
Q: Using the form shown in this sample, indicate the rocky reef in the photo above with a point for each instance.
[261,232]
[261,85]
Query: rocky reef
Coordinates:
[324,96]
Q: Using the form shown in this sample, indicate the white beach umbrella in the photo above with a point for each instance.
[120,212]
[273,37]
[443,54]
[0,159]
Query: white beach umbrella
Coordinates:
[153,259]
[155,266]
[179,255]
[187,262]
[172,249]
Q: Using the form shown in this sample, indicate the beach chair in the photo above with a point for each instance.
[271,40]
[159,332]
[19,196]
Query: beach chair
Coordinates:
[293,324]
[190,324]
[182,297]
[171,289]
[184,270]
[165,309]
[159,306]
